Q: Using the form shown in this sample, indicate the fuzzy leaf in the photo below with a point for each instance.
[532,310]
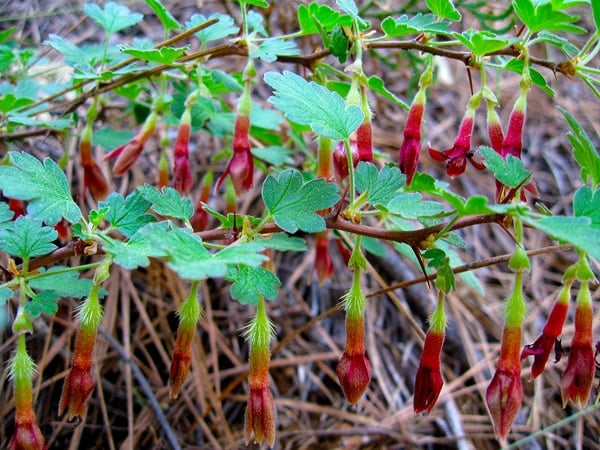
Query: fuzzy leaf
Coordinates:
[163,55]
[45,185]
[43,303]
[317,18]
[27,238]
[5,295]
[249,283]
[270,49]
[312,104]
[126,215]
[381,186]
[509,171]
[538,16]
[282,242]
[167,202]
[586,203]
[409,25]
[293,203]
[166,18]
[223,28]
[444,9]
[5,214]
[411,206]
[136,251]
[64,284]
[377,85]
[482,42]
[113,17]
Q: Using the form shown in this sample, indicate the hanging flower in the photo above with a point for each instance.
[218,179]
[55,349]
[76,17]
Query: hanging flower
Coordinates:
[410,149]
[93,178]
[323,266]
[340,160]
[182,172]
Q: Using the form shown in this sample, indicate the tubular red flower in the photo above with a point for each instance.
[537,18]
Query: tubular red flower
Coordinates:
[182,172]
[79,384]
[354,368]
[455,158]
[260,411]
[241,165]
[93,178]
[428,382]
[504,394]
[199,219]
[182,359]
[579,375]
[323,265]
[163,171]
[541,348]
[17,207]
[364,141]
[410,149]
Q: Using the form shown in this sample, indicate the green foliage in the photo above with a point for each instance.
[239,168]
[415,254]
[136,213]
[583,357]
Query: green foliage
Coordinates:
[313,104]
[113,17]
[63,281]
[249,283]
[127,215]
[444,9]
[43,184]
[409,25]
[510,171]
[43,303]
[539,16]
[139,248]
[167,202]
[293,204]
[163,55]
[166,18]
[482,42]
[412,206]
[586,203]
[380,186]
[27,237]
[584,151]
[223,28]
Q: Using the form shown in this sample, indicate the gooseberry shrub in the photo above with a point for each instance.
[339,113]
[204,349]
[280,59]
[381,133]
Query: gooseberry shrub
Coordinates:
[233,144]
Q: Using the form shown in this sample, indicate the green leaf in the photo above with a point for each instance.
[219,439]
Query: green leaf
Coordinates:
[509,171]
[419,23]
[43,303]
[516,65]
[28,121]
[223,28]
[381,186]
[293,204]
[5,295]
[579,231]
[425,183]
[27,238]
[377,85]
[259,3]
[141,246]
[9,102]
[584,150]
[63,283]
[317,18]
[482,42]
[313,104]
[249,283]
[274,154]
[586,203]
[6,213]
[126,215]
[167,202]
[45,185]
[5,34]
[113,17]
[270,49]
[109,138]
[349,7]
[596,14]
[444,9]
[163,55]
[163,14]
[538,16]
[558,41]
[412,206]
[74,56]
[282,242]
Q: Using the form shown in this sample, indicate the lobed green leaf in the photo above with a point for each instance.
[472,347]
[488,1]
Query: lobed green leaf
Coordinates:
[43,303]
[166,18]
[113,17]
[126,215]
[26,237]
[444,9]
[510,171]
[249,283]
[167,202]
[410,25]
[163,55]
[381,186]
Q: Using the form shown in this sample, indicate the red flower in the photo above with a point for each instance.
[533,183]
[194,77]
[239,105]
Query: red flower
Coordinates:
[163,171]
[260,411]
[241,165]
[579,374]
[127,154]
[79,384]
[541,348]
[182,172]
[340,160]
[199,219]
[354,368]
[17,207]
[323,265]
[455,158]
[364,141]
[93,178]
[504,394]
[411,145]
[428,382]
[182,359]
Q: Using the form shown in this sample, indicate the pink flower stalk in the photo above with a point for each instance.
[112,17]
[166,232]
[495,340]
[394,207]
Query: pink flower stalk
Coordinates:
[410,149]
[340,160]
[93,178]
[543,345]
[182,172]
[260,410]
[504,394]
[241,165]
[455,158]
[323,266]
[579,375]
[27,434]
[79,383]
[189,313]
[128,153]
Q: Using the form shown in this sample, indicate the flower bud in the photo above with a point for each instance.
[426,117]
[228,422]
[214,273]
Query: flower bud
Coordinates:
[241,165]
[27,434]
[182,172]
[340,160]
[189,314]
[93,178]
[199,219]
[323,265]
[579,375]
[410,149]
[163,171]
[260,410]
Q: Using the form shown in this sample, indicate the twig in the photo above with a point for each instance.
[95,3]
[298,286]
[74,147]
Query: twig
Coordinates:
[146,388]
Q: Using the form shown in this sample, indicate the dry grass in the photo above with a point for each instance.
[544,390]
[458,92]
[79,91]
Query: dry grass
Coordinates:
[138,331]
